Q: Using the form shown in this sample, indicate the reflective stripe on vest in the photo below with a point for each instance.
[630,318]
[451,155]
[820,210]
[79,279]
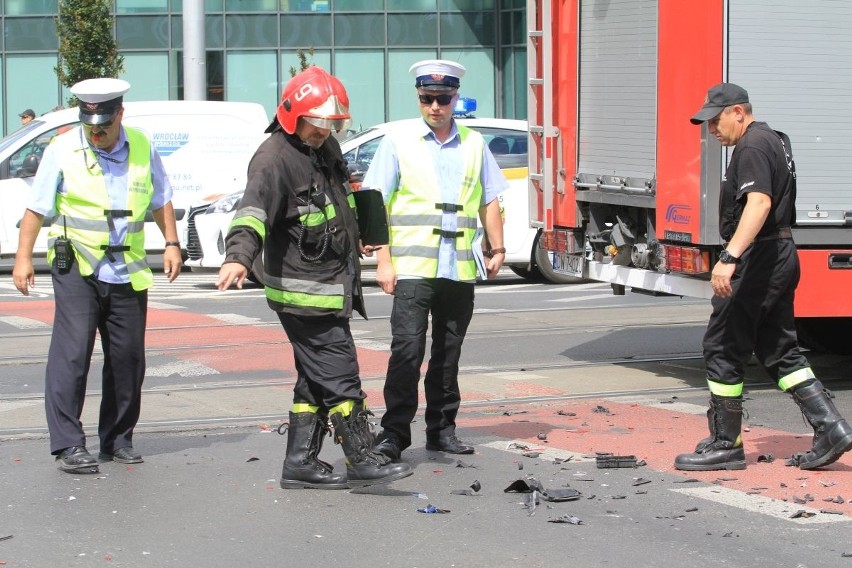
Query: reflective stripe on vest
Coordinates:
[80,210]
[416,214]
[304,293]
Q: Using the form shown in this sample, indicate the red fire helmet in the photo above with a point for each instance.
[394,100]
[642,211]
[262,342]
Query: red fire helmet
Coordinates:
[317,96]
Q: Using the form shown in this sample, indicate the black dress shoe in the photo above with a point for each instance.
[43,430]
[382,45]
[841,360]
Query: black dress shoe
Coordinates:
[122,455]
[388,445]
[77,459]
[449,444]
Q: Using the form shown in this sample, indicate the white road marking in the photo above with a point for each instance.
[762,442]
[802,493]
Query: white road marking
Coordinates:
[236,318]
[547,454]
[760,504]
[181,368]
[24,323]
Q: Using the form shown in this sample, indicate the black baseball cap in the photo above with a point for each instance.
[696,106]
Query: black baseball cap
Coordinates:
[29,112]
[718,98]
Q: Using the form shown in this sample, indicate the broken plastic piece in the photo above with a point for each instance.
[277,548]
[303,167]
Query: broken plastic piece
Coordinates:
[531,454]
[767,458]
[566,518]
[565,413]
[517,446]
[252,460]
[524,486]
[460,463]
[602,410]
[610,461]
[542,436]
[432,509]
[802,514]
[560,495]
[511,412]
[831,511]
[476,486]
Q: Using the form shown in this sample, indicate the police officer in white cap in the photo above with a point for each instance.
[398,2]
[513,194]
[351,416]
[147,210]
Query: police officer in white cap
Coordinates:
[97,181]
[437,170]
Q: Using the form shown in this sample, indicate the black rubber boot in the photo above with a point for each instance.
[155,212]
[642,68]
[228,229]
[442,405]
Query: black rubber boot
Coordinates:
[363,465]
[302,468]
[724,448]
[832,434]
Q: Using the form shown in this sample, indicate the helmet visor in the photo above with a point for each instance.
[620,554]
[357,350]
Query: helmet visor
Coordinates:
[336,124]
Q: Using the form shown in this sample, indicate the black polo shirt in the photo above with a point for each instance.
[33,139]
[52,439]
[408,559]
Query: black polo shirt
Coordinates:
[759,163]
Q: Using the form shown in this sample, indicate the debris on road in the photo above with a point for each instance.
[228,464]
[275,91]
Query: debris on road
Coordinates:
[567,519]
[432,509]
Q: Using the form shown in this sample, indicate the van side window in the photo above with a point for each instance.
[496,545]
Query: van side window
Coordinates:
[24,162]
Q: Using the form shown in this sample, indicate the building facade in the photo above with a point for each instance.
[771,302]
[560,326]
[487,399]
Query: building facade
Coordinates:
[252,45]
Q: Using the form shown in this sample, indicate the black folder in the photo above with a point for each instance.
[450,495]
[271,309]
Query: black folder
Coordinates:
[372,217]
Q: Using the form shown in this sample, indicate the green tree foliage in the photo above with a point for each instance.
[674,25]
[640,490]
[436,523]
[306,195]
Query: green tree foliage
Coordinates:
[303,61]
[87,48]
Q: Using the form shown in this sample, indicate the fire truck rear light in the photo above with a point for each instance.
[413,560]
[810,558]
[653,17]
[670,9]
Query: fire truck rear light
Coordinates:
[687,260]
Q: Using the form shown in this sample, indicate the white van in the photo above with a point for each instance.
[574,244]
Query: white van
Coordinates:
[205,145]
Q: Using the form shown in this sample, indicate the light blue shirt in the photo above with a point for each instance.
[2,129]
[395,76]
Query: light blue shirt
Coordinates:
[49,182]
[383,175]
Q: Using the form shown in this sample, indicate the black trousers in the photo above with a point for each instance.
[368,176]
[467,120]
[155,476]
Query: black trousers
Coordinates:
[326,360]
[451,306]
[757,318]
[85,306]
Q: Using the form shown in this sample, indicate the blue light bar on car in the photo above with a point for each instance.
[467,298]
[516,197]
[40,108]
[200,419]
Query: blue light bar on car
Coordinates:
[465,106]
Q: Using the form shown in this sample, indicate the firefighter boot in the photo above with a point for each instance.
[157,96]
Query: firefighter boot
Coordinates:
[363,465]
[832,434]
[302,468]
[724,448]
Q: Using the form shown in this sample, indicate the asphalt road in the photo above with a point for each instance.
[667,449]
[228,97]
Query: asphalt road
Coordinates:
[551,375]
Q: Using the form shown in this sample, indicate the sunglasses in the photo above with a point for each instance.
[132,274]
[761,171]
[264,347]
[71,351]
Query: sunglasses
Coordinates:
[443,100]
[102,126]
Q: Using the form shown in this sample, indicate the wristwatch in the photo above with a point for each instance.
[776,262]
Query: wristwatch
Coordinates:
[727,258]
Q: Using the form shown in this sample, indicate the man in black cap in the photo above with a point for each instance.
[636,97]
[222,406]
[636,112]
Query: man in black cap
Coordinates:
[27,116]
[98,181]
[754,282]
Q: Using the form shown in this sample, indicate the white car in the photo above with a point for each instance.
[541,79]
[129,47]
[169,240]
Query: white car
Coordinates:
[507,139]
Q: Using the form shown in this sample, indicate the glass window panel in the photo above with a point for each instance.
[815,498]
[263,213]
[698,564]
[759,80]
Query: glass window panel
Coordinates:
[251,31]
[215,76]
[252,77]
[148,75]
[30,83]
[359,5]
[412,5]
[251,5]
[142,32]
[402,96]
[214,32]
[351,30]
[479,81]
[21,7]
[31,34]
[210,6]
[472,28]
[412,29]
[468,5]
[305,31]
[140,6]
[305,5]
[290,63]
[366,89]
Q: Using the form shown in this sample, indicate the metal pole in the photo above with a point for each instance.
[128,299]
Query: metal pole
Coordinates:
[194,59]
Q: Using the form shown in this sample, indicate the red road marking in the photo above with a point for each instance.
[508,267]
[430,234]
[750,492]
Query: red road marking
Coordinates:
[657,436]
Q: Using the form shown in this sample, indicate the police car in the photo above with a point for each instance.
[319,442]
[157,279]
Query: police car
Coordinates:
[507,139]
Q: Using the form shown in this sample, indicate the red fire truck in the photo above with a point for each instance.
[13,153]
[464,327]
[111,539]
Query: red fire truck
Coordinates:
[625,190]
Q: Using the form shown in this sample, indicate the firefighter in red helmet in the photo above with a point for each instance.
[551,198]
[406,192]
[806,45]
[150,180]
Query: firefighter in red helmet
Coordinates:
[298,210]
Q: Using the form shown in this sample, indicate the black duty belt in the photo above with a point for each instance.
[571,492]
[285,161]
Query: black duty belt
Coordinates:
[448,207]
[115,213]
[782,233]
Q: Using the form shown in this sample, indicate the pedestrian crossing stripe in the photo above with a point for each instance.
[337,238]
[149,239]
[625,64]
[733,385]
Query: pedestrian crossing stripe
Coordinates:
[23,323]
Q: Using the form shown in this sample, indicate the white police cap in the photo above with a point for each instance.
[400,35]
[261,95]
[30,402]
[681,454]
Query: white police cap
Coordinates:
[99,99]
[437,74]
